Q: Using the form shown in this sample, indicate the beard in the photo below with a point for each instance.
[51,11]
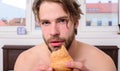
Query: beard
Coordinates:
[67,42]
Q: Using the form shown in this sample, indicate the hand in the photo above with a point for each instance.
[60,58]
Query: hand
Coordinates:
[76,66]
[42,68]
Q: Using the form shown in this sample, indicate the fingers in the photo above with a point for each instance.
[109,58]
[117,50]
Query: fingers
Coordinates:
[77,65]
[74,65]
[42,68]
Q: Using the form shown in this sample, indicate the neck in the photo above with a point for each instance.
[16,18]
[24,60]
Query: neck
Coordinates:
[73,48]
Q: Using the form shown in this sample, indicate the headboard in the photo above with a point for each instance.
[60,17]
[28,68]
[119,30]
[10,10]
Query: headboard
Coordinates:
[11,52]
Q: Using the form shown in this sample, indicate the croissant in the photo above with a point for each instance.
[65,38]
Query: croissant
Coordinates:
[59,58]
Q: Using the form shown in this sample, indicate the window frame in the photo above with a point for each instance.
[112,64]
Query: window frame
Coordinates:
[13,29]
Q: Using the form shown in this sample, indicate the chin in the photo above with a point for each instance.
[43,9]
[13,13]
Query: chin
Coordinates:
[55,48]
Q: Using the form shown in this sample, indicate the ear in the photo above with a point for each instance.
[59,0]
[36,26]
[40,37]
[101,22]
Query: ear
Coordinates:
[76,24]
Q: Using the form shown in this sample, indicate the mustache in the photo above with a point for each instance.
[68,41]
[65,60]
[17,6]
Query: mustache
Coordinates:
[56,38]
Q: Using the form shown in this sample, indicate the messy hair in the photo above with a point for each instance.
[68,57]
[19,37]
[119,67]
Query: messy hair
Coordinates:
[71,7]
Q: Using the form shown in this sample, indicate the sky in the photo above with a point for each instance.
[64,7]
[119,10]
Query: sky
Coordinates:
[12,8]
[103,1]
[17,3]
[20,5]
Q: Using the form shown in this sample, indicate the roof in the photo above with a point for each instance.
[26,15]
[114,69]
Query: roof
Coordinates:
[2,23]
[102,7]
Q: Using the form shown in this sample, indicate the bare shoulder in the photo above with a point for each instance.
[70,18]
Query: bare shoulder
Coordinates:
[30,52]
[96,59]
[27,59]
[24,58]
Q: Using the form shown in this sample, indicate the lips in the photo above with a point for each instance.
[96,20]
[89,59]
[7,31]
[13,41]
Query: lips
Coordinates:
[56,43]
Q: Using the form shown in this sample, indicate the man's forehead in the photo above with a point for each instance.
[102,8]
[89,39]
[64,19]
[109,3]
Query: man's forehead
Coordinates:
[61,17]
[51,11]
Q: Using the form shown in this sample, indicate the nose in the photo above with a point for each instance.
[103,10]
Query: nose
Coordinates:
[54,31]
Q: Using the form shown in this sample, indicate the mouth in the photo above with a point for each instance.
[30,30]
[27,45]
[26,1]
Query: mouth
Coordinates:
[56,45]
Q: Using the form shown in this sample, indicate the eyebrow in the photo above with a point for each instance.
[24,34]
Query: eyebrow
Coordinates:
[65,17]
[62,17]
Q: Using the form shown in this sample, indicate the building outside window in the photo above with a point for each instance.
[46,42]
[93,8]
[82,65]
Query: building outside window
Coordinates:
[12,12]
[100,9]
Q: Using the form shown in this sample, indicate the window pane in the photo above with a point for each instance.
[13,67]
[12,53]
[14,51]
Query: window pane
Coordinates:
[101,12]
[88,23]
[12,12]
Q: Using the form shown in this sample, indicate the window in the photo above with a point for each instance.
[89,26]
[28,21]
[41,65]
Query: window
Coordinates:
[102,15]
[103,9]
[13,14]
[109,23]
[99,23]
[99,15]
[88,23]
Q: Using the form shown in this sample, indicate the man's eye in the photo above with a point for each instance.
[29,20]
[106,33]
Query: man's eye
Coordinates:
[45,23]
[63,21]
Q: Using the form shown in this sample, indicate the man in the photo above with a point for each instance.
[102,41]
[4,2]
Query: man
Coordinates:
[58,20]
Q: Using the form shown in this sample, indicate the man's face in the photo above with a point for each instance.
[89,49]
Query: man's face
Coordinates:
[56,26]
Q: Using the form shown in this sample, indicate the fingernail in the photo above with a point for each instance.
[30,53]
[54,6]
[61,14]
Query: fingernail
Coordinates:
[68,64]
[50,69]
